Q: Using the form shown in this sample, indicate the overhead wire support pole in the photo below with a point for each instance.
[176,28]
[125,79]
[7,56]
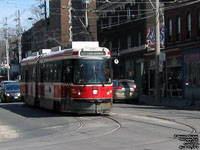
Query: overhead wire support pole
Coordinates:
[157,54]
[19,38]
[45,22]
[7,51]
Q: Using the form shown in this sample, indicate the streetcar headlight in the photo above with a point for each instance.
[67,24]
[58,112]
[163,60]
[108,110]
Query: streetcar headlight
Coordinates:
[95,92]
[109,92]
[7,94]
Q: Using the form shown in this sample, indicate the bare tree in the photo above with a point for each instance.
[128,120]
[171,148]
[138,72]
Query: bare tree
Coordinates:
[37,12]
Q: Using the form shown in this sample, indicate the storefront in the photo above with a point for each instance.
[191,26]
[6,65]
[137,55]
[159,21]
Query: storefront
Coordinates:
[170,74]
[191,76]
[174,76]
[134,68]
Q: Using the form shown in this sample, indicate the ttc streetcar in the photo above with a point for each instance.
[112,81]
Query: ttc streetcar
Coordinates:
[76,80]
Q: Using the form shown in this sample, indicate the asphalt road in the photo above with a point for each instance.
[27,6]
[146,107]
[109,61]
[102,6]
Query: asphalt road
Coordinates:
[128,127]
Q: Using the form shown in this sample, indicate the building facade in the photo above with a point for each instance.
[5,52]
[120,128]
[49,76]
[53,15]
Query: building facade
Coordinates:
[183,37]
[68,21]
[180,74]
[123,28]
[72,21]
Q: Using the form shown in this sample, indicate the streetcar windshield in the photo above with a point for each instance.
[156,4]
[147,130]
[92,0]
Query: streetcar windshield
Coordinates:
[89,71]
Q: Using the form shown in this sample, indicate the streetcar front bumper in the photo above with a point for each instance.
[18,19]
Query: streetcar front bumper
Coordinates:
[90,106]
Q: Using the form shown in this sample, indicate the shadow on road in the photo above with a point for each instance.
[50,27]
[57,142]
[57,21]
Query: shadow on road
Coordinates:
[32,112]
[27,111]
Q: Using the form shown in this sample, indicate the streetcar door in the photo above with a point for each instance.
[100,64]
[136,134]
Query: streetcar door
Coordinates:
[67,79]
[36,84]
[26,82]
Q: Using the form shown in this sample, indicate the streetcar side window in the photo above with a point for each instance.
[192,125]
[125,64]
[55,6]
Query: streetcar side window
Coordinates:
[47,71]
[30,73]
[33,73]
[42,72]
[51,73]
[67,71]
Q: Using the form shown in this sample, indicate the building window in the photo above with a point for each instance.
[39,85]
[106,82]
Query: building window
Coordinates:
[170,31]
[110,46]
[139,10]
[129,41]
[119,44]
[128,14]
[198,22]
[178,30]
[109,21]
[189,26]
[118,18]
[139,39]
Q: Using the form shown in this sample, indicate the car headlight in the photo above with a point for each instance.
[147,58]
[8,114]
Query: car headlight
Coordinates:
[7,94]
[18,94]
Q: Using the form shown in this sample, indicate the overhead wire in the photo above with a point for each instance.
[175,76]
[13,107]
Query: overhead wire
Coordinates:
[150,12]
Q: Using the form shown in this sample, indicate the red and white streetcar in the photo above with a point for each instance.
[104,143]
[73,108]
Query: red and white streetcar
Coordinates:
[76,80]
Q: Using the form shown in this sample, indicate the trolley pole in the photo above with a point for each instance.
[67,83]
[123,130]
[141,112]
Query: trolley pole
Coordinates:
[157,54]
[7,52]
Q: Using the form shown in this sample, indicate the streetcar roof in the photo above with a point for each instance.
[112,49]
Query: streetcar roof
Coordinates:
[62,54]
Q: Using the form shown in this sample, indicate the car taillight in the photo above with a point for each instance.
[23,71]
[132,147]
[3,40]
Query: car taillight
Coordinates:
[135,87]
[118,88]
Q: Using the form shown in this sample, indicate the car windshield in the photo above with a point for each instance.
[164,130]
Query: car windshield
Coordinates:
[12,87]
[8,82]
[126,84]
[89,71]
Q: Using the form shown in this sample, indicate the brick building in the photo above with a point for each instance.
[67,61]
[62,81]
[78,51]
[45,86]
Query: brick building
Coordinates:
[68,21]
[181,74]
[71,21]
[122,27]
[182,37]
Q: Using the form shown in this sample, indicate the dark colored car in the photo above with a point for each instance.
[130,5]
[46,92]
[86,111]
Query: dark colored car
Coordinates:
[7,82]
[11,93]
[125,90]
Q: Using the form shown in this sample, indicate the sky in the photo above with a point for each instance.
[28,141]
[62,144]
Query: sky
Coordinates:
[9,8]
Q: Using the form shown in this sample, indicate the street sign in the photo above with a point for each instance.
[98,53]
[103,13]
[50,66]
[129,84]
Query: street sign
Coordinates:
[162,56]
[7,66]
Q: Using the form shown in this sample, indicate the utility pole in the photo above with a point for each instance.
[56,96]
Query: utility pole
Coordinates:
[157,54]
[7,52]
[87,2]
[86,14]
[45,20]
[19,37]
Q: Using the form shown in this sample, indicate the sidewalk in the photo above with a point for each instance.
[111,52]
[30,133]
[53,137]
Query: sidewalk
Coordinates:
[172,102]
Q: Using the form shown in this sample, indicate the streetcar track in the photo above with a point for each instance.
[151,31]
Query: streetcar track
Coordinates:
[132,120]
[81,126]
[193,129]
[55,134]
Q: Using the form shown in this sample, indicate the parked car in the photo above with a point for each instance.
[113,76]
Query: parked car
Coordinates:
[125,90]
[10,93]
[6,82]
